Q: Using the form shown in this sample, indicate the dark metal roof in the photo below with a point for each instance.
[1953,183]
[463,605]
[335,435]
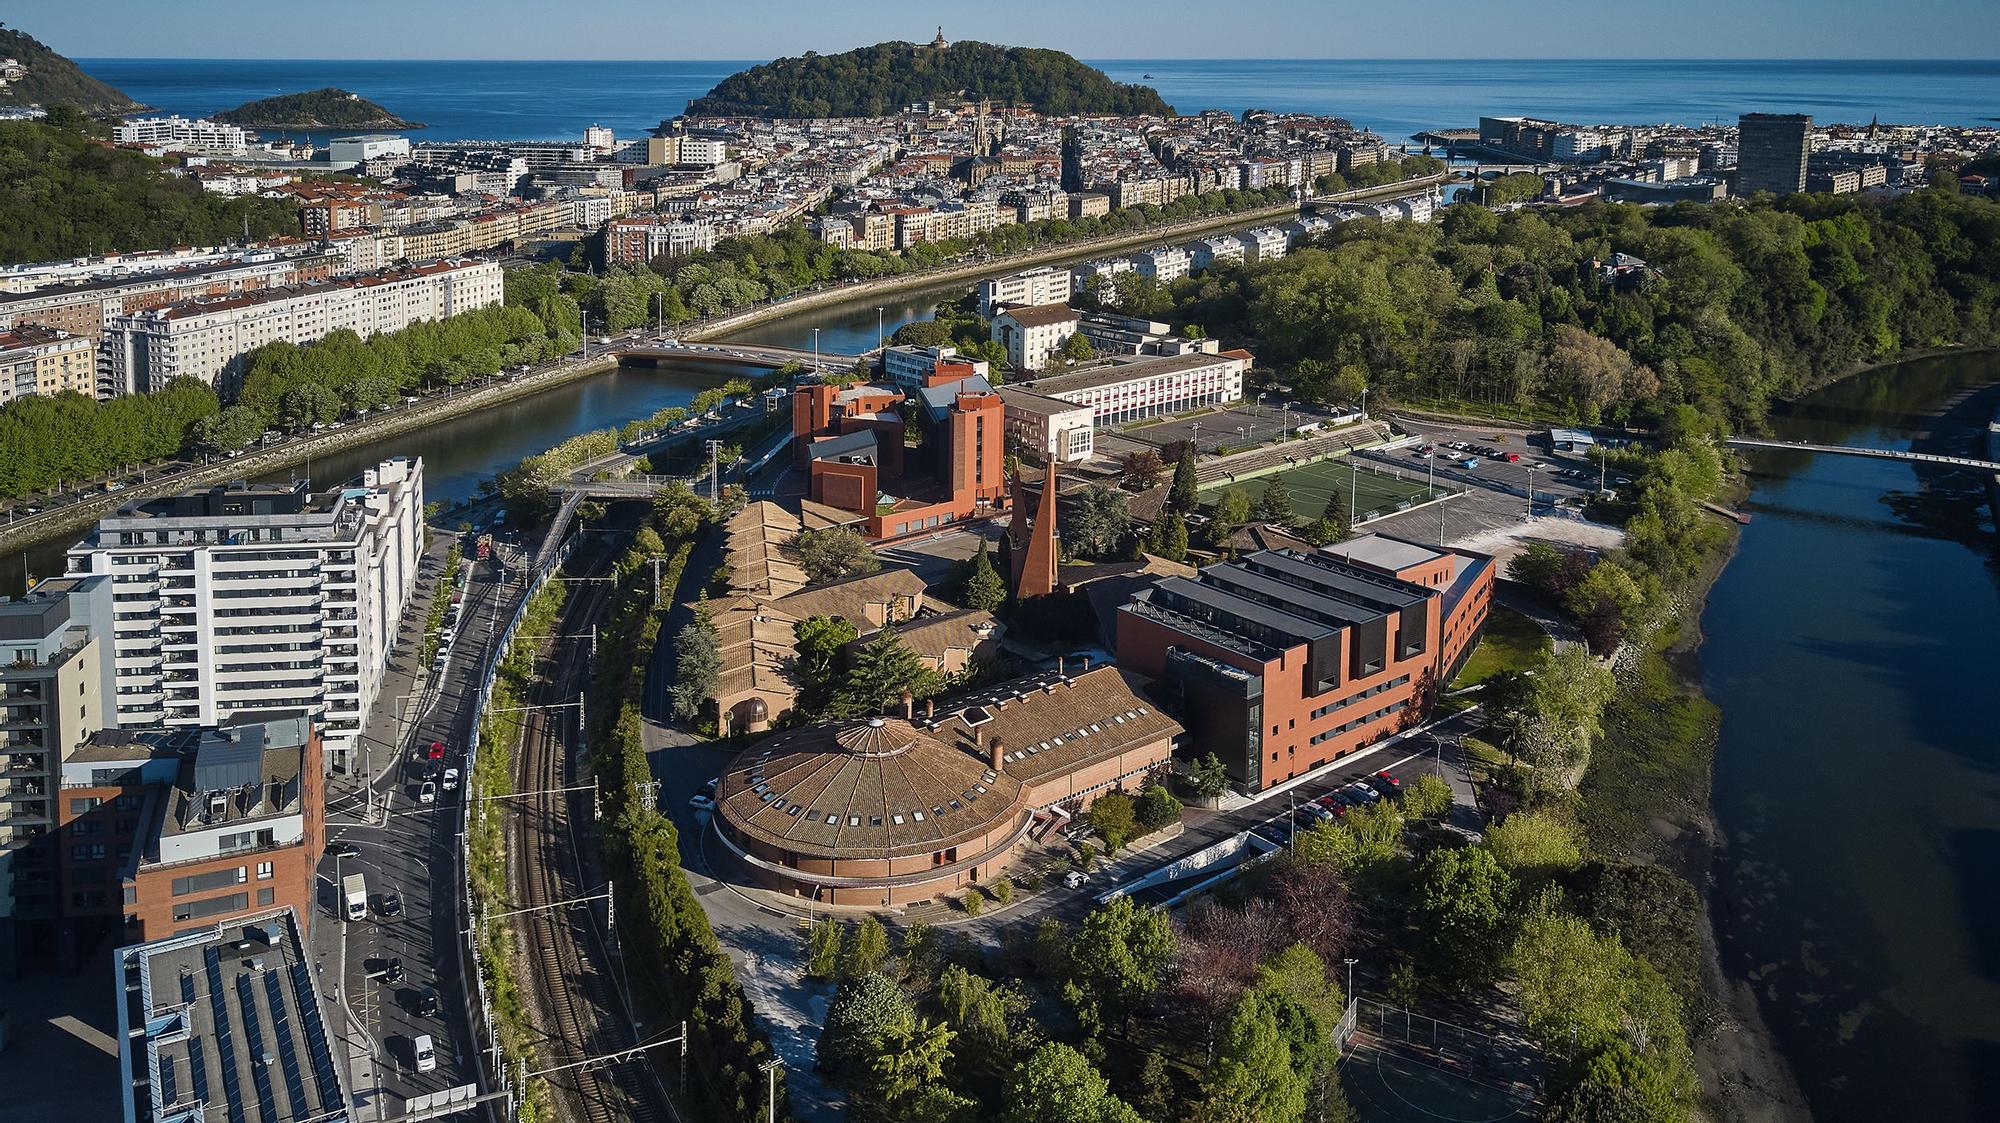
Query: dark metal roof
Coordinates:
[1332,577]
[1185,595]
[233,760]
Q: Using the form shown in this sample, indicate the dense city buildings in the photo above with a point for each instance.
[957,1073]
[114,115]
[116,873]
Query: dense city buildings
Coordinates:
[211,338]
[1772,151]
[892,809]
[1284,660]
[227,1014]
[248,598]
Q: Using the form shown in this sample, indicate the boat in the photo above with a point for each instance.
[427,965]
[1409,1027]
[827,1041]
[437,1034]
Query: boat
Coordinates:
[1149,76]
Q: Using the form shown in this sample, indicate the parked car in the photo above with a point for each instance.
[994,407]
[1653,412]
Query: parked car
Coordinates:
[701,802]
[341,849]
[391,906]
[1469,462]
[428,793]
[1363,792]
[1073,880]
[393,973]
[427,1003]
[436,751]
[449,782]
[1384,784]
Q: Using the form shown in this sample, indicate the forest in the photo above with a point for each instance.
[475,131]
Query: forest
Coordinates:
[882,79]
[64,193]
[329,108]
[1735,306]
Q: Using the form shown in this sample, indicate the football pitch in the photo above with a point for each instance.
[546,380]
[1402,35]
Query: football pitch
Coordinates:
[1371,490]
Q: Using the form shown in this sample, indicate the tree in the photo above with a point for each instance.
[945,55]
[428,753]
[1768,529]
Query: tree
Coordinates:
[1534,845]
[819,641]
[1118,954]
[983,588]
[1170,537]
[1233,509]
[1077,349]
[1209,778]
[867,949]
[1057,1084]
[883,668]
[1142,469]
[1606,603]
[1536,566]
[910,1058]
[823,942]
[1113,818]
[834,553]
[1570,692]
[1096,522]
[1185,493]
[1334,523]
[864,1013]
[1275,505]
[1618,1084]
[697,664]
[1461,909]
[1157,807]
[1427,797]
[1252,1076]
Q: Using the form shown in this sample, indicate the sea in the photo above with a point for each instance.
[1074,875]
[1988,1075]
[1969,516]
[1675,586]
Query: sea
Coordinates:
[549,100]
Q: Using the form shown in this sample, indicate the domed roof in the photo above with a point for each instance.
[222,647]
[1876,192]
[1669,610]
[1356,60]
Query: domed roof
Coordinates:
[876,787]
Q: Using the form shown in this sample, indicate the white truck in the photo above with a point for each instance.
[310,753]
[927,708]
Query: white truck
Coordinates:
[354,894]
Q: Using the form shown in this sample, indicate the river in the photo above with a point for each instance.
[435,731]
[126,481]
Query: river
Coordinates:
[460,453]
[1851,647]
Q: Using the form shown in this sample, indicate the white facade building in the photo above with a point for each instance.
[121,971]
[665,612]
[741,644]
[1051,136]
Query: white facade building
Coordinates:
[370,146]
[1099,278]
[209,338]
[1034,335]
[259,597]
[1207,253]
[1265,243]
[707,151]
[182,134]
[1136,389]
[1164,264]
[1049,428]
[908,365]
[1046,285]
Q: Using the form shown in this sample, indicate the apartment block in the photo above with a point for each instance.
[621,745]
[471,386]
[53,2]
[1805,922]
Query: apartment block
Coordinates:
[1165,264]
[1034,334]
[1771,152]
[247,598]
[182,134]
[910,366]
[641,238]
[1135,389]
[210,338]
[1284,660]
[1046,285]
[42,362]
[1048,428]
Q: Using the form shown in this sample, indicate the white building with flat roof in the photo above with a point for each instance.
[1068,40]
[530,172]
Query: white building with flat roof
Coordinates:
[1135,389]
[1049,428]
[369,146]
[1045,285]
[908,365]
[183,134]
[1034,335]
[255,597]
[1164,264]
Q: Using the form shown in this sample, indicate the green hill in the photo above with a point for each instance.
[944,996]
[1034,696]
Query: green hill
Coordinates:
[51,79]
[330,108]
[882,79]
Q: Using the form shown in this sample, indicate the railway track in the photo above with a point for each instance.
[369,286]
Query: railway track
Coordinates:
[578,1005]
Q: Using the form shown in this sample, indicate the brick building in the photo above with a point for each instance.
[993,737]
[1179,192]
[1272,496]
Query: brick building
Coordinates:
[1284,659]
[851,443]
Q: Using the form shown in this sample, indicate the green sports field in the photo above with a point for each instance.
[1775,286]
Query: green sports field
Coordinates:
[1312,484]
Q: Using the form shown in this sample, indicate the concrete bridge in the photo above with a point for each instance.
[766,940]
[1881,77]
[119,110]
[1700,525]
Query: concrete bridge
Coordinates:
[737,354]
[1877,453]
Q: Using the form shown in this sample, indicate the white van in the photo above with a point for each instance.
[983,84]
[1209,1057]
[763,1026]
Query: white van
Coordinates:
[426,1051]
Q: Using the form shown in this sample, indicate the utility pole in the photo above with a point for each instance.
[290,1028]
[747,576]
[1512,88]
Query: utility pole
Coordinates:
[815,350]
[1531,491]
[770,1068]
[1350,978]
[1353,493]
[878,329]
[715,471]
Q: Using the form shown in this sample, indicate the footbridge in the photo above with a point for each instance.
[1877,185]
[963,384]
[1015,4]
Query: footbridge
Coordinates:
[1877,453]
[738,354]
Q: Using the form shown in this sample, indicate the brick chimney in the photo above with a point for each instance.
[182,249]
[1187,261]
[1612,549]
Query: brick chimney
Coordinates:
[998,750]
[930,708]
[909,707]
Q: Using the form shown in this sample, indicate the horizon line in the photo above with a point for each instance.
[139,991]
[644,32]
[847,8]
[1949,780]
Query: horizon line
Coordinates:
[1080,58]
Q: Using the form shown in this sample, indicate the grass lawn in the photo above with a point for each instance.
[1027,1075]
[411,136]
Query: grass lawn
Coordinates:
[1312,484]
[1512,642]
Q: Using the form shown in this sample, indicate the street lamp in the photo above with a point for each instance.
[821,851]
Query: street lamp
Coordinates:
[1350,977]
[878,329]
[815,350]
[1531,491]
[1364,403]
[771,1068]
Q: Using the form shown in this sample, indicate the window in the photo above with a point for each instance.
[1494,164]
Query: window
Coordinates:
[267,896]
[213,906]
[202,882]
[92,852]
[264,871]
[84,805]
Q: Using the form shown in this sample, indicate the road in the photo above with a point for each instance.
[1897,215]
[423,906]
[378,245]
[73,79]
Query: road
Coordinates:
[410,849]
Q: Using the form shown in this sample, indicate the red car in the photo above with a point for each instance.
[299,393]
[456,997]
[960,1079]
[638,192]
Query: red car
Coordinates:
[1513,458]
[437,750]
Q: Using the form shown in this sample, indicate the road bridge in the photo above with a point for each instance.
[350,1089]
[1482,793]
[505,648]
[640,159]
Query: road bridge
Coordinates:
[737,354]
[1877,453]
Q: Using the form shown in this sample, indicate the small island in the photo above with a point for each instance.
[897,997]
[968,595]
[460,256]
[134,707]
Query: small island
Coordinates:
[882,79]
[330,108]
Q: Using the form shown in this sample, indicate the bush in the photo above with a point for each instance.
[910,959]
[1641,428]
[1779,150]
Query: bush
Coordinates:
[1157,808]
[974,901]
[1002,890]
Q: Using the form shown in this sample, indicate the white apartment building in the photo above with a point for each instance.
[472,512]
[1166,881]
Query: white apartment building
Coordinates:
[908,365]
[1265,243]
[1135,389]
[210,338]
[1049,428]
[1035,334]
[1099,278]
[1046,285]
[259,597]
[180,134]
[1207,253]
[37,361]
[703,150]
[1164,264]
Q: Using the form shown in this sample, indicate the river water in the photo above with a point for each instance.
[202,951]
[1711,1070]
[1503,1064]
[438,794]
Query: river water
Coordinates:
[1851,647]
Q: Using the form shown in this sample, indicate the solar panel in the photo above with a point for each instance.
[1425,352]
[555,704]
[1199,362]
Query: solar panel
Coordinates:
[253,1040]
[288,1053]
[167,1094]
[315,1035]
[225,1041]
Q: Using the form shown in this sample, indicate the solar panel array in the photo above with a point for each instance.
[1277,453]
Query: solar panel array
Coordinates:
[288,1053]
[225,1040]
[315,1034]
[253,1033]
[197,1062]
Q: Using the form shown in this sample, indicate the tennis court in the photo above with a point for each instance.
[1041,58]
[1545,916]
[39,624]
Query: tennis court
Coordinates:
[1386,1085]
[1371,490]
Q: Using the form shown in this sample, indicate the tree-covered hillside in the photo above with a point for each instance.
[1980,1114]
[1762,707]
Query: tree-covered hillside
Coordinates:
[64,194]
[329,108]
[878,80]
[52,79]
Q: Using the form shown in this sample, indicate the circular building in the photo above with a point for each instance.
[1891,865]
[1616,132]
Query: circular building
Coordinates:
[869,812]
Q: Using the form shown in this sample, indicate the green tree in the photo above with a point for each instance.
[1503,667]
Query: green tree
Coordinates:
[1170,538]
[819,641]
[1157,808]
[823,942]
[1606,603]
[1275,505]
[1077,349]
[697,664]
[1096,522]
[1142,469]
[984,588]
[1209,778]
[1233,509]
[1461,907]
[1570,693]
[1113,818]
[1185,493]
[1118,955]
[867,948]
[1534,845]
[864,1014]
[1427,797]
[911,1058]
[882,669]
[1251,1076]
[834,553]
[1057,1084]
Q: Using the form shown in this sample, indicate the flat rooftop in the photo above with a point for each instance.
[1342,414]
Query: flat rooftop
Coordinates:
[224,1023]
[1131,371]
[1376,551]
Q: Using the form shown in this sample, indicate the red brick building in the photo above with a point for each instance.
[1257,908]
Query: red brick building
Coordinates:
[851,443]
[1285,659]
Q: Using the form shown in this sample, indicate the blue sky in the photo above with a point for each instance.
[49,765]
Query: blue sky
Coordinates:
[760,29]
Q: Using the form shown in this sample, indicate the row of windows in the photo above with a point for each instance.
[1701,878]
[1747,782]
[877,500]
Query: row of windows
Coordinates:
[1400,680]
[1364,719]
